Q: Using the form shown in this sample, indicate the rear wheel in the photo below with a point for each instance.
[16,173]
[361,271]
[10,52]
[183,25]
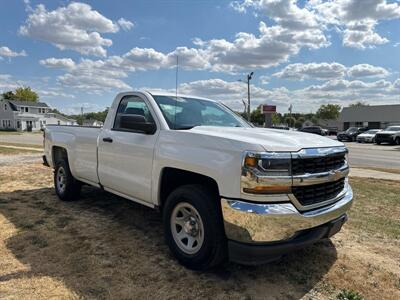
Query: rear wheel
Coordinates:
[67,187]
[193,227]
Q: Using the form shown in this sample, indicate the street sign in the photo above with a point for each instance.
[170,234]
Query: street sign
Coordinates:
[268,109]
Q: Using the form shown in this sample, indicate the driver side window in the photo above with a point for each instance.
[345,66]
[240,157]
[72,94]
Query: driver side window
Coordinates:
[132,105]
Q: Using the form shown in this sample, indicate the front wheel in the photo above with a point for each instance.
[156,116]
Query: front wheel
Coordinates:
[193,227]
[67,187]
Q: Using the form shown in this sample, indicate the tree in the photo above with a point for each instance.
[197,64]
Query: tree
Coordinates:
[257,117]
[26,94]
[290,121]
[328,111]
[358,104]
[9,95]
[22,94]
[276,118]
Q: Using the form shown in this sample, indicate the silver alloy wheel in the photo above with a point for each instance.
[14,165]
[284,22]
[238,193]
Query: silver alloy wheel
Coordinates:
[61,180]
[187,228]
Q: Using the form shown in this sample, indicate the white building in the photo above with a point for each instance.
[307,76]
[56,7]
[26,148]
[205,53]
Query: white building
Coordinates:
[27,115]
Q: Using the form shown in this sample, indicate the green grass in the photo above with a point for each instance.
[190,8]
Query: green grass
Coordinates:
[376,207]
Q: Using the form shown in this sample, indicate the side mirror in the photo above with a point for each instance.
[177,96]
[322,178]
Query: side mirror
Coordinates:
[137,123]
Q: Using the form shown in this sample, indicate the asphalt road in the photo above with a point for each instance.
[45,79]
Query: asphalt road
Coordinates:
[360,155]
[370,155]
[25,138]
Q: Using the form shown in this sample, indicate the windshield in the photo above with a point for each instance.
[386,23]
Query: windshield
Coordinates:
[351,129]
[186,113]
[372,131]
[393,128]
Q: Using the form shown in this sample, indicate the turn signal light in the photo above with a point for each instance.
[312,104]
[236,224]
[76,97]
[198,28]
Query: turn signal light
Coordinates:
[250,161]
[273,189]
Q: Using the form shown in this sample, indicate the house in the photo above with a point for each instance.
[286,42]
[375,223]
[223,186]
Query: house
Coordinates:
[371,116]
[27,115]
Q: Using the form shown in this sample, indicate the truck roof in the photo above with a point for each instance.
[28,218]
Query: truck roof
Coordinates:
[172,94]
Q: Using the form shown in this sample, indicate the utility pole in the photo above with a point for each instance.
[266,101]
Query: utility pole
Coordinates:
[290,113]
[248,78]
[245,106]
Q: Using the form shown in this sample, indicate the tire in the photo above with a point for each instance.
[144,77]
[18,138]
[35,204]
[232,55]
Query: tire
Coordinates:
[66,186]
[377,142]
[397,141]
[195,203]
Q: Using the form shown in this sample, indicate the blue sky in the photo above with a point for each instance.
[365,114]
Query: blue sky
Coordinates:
[304,53]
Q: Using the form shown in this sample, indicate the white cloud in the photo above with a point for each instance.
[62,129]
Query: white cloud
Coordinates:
[366,70]
[358,18]
[125,24]
[76,27]
[264,79]
[320,71]
[326,71]
[7,83]
[59,63]
[7,52]
[54,93]
[360,34]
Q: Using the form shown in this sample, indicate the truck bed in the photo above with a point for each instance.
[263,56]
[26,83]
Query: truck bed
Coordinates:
[81,145]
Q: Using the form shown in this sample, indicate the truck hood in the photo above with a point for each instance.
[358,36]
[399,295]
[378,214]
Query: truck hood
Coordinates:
[269,139]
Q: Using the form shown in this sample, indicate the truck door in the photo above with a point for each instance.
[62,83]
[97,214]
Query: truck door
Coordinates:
[125,156]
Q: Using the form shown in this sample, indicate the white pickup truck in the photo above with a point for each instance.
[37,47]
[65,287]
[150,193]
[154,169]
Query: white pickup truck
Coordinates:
[226,190]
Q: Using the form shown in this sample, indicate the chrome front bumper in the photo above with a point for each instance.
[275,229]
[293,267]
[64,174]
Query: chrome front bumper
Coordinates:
[250,222]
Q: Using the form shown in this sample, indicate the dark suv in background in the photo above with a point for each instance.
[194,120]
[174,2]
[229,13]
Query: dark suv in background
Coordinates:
[313,129]
[350,134]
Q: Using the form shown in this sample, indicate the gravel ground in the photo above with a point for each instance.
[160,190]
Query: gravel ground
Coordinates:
[15,159]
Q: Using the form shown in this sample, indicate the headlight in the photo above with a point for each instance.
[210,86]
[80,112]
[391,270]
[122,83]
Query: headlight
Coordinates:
[268,164]
[266,173]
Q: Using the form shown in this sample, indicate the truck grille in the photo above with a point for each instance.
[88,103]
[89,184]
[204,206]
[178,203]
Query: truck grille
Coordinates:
[313,194]
[302,166]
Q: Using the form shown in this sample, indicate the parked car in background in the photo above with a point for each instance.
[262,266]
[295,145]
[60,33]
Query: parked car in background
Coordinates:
[280,127]
[350,135]
[390,135]
[368,136]
[313,129]
[333,130]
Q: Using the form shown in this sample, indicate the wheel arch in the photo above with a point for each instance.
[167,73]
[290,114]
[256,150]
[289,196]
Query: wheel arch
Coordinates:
[58,154]
[172,178]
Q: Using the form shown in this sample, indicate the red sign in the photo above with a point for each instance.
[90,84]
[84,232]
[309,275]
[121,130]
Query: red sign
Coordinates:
[268,109]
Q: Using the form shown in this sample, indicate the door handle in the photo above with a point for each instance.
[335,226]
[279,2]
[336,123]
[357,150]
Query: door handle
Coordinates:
[108,140]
